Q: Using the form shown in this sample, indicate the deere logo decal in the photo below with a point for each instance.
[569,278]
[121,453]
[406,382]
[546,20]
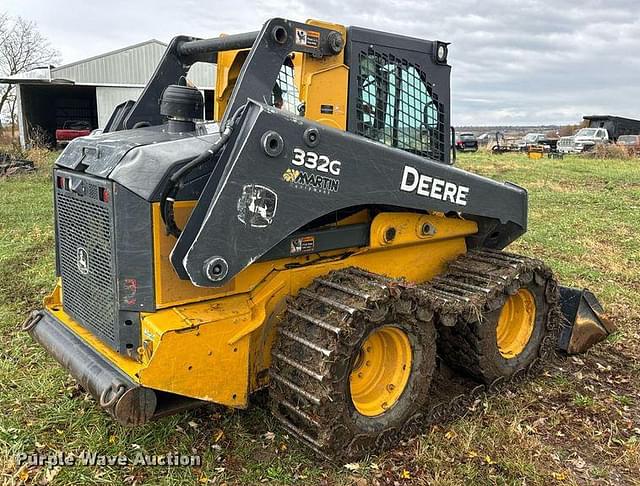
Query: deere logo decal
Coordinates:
[82,260]
[311,182]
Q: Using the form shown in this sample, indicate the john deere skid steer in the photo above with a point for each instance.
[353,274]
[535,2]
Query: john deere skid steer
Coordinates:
[314,240]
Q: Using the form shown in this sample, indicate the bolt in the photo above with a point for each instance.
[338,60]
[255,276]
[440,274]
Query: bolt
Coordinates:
[368,349]
[389,235]
[216,268]
[385,405]
[360,375]
[391,387]
[427,229]
[335,41]
[368,363]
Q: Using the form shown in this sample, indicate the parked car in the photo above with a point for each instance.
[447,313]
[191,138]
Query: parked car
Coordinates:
[466,142]
[530,139]
[486,138]
[72,129]
[537,139]
[632,142]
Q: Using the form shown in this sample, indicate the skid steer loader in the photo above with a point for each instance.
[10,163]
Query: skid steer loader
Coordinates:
[314,241]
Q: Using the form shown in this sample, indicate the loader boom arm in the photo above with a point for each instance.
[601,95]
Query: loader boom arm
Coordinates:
[269,48]
[279,172]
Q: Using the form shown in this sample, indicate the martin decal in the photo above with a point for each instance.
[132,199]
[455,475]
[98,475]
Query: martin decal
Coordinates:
[311,182]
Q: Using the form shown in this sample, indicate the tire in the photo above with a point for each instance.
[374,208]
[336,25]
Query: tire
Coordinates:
[473,347]
[330,413]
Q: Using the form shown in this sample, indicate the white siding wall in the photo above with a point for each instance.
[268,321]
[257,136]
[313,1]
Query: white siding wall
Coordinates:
[131,66]
[108,98]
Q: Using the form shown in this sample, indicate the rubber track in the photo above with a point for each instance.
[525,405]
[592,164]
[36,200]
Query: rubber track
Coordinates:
[322,315]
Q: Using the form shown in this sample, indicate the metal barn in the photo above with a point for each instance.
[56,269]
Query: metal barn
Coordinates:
[89,90]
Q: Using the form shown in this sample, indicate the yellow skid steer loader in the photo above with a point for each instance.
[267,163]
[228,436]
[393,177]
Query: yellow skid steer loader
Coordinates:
[314,240]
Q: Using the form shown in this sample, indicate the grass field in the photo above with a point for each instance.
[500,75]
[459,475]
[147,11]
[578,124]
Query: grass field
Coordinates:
[579,423]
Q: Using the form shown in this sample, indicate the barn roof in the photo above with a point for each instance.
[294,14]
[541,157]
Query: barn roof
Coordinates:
[128,66]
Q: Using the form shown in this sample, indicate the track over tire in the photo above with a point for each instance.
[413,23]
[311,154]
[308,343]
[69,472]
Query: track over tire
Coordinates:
[327,333]
[479,347]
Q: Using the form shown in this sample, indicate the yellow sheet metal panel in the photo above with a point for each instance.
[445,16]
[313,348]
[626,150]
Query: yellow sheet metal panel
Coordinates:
[200,361]
[219,349]
[228,66]
[393,229]
[324,84]
[169,288]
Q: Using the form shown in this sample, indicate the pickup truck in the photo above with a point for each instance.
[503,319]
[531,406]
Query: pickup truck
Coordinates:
[71,130]
[584,140]
[537,139]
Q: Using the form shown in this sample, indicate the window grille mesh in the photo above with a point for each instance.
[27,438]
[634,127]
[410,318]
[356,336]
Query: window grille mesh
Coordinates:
[398,107]
[285,94]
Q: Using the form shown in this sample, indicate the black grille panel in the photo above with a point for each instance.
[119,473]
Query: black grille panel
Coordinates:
[397,106]
[85,235]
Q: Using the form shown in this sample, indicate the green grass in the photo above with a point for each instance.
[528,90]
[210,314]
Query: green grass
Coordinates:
[576,424]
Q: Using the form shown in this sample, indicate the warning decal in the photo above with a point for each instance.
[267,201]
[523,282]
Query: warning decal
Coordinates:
[303,244]
[308,38]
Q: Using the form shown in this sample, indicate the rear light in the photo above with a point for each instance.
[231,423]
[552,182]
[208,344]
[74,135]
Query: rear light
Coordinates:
[62,182]
[104,194]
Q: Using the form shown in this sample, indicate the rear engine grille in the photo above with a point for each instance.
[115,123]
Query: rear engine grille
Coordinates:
[86,261]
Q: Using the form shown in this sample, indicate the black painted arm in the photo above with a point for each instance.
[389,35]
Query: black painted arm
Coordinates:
[274,178]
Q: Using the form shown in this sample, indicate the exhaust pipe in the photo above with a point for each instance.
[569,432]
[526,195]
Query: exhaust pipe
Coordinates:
[585,321]
[126,401]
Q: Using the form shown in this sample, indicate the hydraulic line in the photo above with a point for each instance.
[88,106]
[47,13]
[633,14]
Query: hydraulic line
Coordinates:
[176,181]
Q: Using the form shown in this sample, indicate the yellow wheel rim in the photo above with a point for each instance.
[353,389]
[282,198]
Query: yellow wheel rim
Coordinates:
[516,323]
[381,371]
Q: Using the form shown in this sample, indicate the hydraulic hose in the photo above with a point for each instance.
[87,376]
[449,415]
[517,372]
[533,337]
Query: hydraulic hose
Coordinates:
[176,183]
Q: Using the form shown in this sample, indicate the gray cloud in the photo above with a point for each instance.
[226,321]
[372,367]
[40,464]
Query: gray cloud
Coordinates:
[514,62]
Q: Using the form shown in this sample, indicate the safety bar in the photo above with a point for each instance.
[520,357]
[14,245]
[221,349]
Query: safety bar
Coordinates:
[210,46]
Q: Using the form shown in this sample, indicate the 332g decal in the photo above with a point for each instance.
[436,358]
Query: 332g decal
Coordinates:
[312,160]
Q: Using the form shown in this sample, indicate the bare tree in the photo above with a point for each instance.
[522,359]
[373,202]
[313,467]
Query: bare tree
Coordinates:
[13,116]
[22,48]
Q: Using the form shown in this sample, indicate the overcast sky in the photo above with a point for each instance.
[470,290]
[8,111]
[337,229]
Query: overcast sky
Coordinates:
[513,62]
